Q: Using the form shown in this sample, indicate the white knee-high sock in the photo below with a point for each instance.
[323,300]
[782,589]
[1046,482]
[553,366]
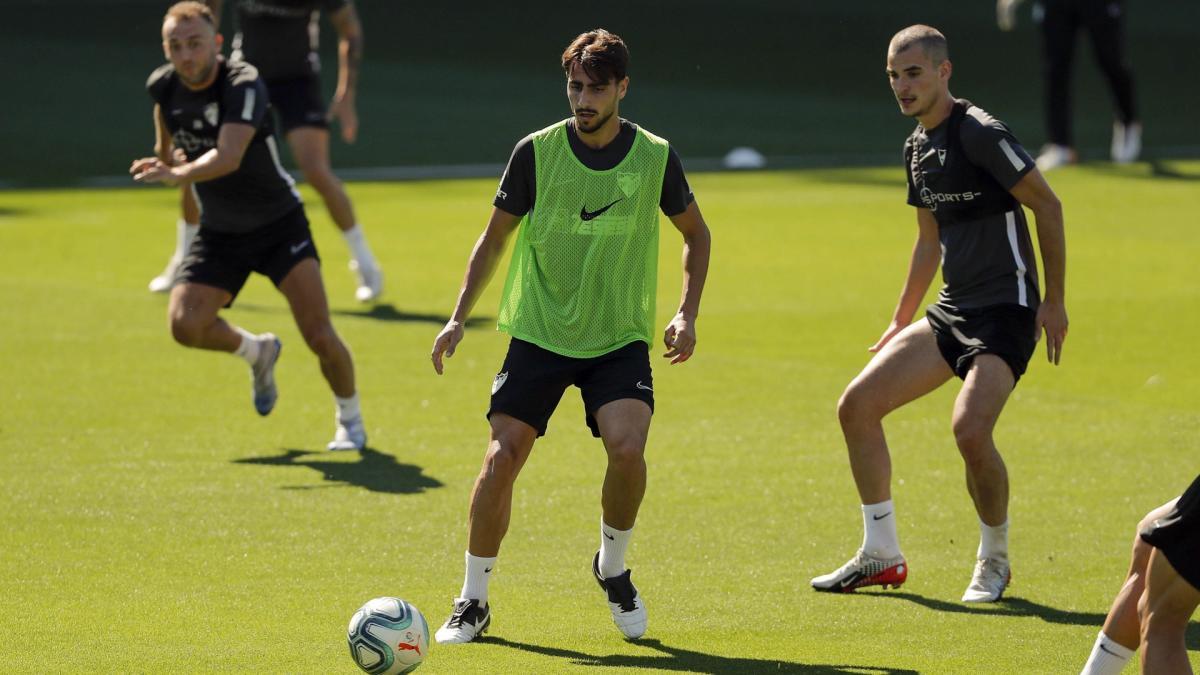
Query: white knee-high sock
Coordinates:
[1108,657]
[879,530]
[613,543]
[475,582]
[356,239]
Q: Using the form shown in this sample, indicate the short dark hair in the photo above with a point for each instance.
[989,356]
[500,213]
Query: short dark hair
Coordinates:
[928,38]
[601,54]
[189,9]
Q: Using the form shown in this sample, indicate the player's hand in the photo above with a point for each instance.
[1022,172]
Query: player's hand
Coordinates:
[1006,14]
[178,157]
[680,339]
[152,170]
[893,329]
[1052,319]
[445,343]
[346,113]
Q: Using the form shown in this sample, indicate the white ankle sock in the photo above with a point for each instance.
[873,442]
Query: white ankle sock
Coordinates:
[1108,657]
[879,530]
[613,543]
[475,583]
[249,348]
[347,408]
[993,541]
[356,239]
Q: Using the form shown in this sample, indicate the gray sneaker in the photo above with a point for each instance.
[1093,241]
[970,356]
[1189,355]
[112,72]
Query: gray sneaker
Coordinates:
[350,435]
[370,281]
[263,373]
[988,583]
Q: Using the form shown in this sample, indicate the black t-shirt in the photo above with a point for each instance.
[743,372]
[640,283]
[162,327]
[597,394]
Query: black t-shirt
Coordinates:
[518,186]
[962,171]
[280,36]
[259,191]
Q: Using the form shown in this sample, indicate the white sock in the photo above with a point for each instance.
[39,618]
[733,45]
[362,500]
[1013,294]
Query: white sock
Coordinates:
[347,408]
[356,239]
[879,530]
[1108,657]
[993,541]
[185,232]
[613,543]
[249,348]
[475,583]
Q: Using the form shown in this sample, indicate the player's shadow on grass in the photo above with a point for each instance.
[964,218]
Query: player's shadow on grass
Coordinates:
[1020,607]
[373,471]
[688,661]
[388,312]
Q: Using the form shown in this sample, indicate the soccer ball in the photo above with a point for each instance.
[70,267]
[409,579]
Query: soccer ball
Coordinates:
[388,636]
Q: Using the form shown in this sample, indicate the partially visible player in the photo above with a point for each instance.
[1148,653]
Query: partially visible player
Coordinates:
[279,37]
[1119,638]
[211,117]
[968,178]
[1172,584]
[585,195]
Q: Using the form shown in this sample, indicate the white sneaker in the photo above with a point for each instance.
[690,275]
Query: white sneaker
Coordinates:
[1126,142]
[1053,156]
[627,606]
[350,435]
[370,281]
[164,282]
[863,570]
[991,578]
[466,622]
[263,373]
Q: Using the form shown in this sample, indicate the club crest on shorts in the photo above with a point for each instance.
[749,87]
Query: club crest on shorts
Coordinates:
[210,114]
[499,381]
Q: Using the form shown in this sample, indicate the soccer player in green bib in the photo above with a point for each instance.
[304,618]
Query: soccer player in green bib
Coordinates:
[585,195]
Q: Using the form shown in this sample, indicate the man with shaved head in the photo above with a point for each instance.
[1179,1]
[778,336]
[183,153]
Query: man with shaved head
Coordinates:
[968,178]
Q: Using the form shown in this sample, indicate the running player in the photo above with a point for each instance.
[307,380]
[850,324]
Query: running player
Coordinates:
[967,177]
[280,39]
[579,305]
[213,133]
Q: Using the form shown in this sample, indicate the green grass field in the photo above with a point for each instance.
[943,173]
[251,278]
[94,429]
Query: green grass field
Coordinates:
[152,522]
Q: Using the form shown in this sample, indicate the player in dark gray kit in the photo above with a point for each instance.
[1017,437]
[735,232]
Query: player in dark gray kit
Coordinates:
[279,37]
[968,178]
[213,132]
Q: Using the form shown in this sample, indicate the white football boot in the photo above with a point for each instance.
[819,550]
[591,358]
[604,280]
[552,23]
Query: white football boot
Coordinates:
[627,606]
[263,373]
[467,622]
[350,435]
[1126,142]
[1053,156]
[991,578]
[863,570]
[370,281]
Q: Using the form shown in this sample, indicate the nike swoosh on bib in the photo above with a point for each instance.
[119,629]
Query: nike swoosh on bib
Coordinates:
[584,214]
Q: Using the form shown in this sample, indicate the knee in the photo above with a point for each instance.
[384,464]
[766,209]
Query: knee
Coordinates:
[856,406]
[974,439]
[321,339]
[319,175]
[186,330]
[627,453]
[501,463]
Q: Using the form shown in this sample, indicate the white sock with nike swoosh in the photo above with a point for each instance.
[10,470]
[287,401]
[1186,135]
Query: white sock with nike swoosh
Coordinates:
[879,530]
[1108,657]
[613,543]
[475,583]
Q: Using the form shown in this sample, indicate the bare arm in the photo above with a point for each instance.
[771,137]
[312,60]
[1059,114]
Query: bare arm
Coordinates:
[350,50]
[680,334]
[232,141]
[926,254]
[487,253]
[162,137]
[1035,194]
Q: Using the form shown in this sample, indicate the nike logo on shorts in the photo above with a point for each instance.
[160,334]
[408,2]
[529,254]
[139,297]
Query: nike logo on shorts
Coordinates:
[642,386]
[299,247]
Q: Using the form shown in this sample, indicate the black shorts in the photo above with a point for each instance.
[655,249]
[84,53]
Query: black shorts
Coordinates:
[533,379]
[298,102]
[1007,331]
[226,259]
[1177,535]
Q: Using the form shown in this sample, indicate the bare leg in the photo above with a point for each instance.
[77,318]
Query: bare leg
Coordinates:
[1165,609]
[976,410]
[491,502]
[909,367]
[306,294]
[310,147]
[624,426]
[192,314]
